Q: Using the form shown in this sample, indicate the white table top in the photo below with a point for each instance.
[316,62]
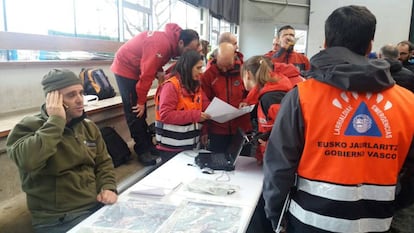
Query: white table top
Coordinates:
[247,177]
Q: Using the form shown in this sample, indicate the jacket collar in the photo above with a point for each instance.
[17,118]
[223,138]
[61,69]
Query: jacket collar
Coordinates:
[346,70]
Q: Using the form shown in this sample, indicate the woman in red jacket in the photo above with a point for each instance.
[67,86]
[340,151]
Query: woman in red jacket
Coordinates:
[268,88]
[179,106]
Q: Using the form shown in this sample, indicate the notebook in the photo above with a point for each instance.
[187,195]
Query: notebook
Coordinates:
[223,161]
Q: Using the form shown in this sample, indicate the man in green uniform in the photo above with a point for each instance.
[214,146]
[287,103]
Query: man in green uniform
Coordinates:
[62,159]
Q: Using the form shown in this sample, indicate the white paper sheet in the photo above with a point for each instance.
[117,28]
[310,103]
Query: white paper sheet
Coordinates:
[155,187]
[221,111]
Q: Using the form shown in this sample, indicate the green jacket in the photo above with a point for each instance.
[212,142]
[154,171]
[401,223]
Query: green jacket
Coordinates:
[62,166]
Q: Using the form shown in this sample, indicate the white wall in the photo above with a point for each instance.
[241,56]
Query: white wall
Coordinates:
[393,21]
[259,19]
[20,84]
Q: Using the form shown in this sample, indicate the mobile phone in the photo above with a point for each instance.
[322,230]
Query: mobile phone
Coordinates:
[65,107]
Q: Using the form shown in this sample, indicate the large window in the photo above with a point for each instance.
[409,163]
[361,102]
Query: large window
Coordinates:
[1,16]
[117,20]
[214,30]
[92,18]
[135,18]
[96,17]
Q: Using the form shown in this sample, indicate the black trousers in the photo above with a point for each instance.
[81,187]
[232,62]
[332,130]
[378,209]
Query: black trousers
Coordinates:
[138,127]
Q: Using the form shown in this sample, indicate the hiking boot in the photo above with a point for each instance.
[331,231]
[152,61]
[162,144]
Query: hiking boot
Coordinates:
[147,159]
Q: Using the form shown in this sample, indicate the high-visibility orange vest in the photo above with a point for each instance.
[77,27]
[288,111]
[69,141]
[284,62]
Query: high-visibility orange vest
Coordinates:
[355,146]
[178,136]
[354,138]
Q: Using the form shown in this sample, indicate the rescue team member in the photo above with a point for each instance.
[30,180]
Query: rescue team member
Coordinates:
[135,67]
[351,100]
[268,89]
[222,80]
[286,53]
[179,106]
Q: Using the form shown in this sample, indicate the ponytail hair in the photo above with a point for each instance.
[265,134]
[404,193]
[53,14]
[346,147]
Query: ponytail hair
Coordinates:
[261,68]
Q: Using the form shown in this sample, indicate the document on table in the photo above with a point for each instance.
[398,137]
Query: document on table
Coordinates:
[155,187]
[221,111]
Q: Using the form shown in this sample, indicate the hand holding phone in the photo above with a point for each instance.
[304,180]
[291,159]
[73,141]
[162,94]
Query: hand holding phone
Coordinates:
[55,105]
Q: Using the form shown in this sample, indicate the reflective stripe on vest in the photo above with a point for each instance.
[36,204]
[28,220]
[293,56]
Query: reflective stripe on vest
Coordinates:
[339,225]
[347,193]
[178,136]
[355,147]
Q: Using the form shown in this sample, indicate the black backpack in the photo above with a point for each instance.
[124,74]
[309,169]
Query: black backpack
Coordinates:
[95,82]
[117,147]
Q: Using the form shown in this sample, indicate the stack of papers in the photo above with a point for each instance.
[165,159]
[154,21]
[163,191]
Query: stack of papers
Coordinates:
[158,187]
[221,111]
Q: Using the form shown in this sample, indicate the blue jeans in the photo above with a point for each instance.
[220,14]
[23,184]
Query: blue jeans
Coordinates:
[138,127]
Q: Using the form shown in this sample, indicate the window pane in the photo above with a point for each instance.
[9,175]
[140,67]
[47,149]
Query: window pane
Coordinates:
[96,19]
[301,36]
[179,13]
[134,23]
[1,17]
[224,26]
[161,14]
[143,3]
[193,18]
[214,30]
[36,17]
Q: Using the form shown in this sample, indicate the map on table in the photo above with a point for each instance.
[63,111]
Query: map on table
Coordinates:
[195,217]
[138,216]
[130,216]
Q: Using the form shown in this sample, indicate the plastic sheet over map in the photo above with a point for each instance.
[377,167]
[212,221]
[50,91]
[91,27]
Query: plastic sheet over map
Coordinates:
[145,216]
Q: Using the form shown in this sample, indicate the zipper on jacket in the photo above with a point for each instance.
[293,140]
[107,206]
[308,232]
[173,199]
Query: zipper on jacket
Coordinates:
[228,92]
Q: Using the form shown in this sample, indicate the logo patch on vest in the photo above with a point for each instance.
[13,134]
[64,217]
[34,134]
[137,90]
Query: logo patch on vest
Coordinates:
[362,123]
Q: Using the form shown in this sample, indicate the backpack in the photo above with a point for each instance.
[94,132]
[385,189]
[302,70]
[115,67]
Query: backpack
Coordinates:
[117,147]
[95,82]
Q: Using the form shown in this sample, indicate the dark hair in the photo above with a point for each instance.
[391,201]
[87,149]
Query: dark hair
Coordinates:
[204,46]
[286,27]
[407,42]
[188,35]
[352,27]
[184,67]
[260,67]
